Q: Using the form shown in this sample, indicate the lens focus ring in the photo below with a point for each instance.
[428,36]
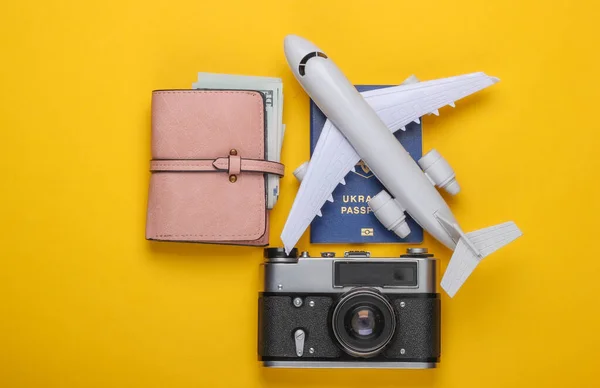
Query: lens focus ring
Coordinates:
[363,322]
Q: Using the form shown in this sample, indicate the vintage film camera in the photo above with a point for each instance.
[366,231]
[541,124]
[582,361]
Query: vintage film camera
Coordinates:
[350,312]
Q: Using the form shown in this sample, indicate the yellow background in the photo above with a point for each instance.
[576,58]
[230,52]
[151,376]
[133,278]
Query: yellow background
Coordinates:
[86,301]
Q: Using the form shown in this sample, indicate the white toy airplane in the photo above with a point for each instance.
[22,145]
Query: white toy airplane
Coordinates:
[361,126]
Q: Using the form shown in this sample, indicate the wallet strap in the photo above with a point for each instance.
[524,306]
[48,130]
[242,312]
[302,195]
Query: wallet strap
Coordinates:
[232,164]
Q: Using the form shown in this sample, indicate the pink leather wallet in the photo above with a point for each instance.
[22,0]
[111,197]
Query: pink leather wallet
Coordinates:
[208,167]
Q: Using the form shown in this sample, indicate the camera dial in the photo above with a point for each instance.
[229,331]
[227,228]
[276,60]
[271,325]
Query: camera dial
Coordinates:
[278,255]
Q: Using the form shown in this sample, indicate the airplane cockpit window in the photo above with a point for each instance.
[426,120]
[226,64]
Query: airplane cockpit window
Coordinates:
[308,56]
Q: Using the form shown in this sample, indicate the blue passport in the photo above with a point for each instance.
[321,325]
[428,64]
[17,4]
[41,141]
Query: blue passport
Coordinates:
[349,219]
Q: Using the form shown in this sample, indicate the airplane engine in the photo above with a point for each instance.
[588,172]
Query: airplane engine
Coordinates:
[439,172]
[301,171]
[390,213]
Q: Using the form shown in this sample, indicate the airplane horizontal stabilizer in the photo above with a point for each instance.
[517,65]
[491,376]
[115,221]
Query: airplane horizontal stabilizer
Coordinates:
[471,248]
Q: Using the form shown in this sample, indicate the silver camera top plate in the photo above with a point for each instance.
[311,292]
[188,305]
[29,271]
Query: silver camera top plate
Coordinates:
[318,275]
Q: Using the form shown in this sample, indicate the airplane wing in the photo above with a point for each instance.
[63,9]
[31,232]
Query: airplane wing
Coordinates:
[334,157]
[397,106]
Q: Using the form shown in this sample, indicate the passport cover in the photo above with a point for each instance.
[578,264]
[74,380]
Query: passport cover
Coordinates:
[349,219]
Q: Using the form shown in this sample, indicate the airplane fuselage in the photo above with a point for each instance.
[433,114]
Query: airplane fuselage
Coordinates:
[373,141]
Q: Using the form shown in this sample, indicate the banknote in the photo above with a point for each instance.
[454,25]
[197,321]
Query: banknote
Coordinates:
[272,89]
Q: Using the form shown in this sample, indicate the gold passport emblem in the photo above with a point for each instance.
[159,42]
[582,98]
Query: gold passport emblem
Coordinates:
[363,166]
[366,232]
[363,170]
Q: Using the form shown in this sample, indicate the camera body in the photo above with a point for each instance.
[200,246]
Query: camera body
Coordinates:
[350,312]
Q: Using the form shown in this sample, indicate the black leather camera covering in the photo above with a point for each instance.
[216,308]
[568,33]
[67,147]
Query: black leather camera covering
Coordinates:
[278,319]
[417,332]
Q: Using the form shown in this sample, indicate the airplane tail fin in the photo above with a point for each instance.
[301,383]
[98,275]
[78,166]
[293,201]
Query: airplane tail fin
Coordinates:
[471,248]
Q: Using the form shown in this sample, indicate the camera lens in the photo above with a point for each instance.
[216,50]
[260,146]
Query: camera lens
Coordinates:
[363,322]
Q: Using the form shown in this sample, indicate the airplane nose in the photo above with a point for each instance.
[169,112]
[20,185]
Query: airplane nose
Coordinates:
[296,48]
